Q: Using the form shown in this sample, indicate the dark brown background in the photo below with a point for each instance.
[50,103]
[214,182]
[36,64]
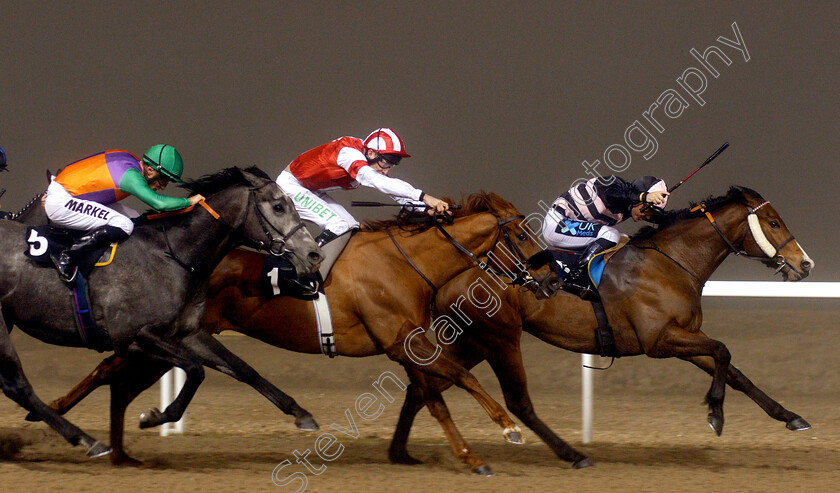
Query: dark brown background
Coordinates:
[503,96]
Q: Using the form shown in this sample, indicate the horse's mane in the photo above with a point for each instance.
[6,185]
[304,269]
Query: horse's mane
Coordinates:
[207,185]
[34,200]
[472,204]
[216,182]
[665,220]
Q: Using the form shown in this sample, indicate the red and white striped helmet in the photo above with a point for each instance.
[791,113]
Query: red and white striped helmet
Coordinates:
[386,141]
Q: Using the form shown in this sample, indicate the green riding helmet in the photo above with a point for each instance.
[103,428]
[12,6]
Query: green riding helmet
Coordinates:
[166,160]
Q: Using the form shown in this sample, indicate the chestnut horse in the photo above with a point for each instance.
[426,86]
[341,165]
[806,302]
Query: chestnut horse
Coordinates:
[651,290]
[377,300]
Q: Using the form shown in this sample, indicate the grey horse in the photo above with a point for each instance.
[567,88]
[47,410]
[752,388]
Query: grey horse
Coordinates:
[151,297]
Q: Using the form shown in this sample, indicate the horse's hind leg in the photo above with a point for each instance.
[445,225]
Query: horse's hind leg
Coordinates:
[150,346]
[738,381]
[128,383]
[213,354]
[17,387]
[438,409]
[510,371]
[100,376]
[424,358]
[678,342]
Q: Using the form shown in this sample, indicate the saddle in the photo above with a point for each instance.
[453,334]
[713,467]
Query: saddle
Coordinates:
[595,268]
[47,242]
[589,292]
[45,245]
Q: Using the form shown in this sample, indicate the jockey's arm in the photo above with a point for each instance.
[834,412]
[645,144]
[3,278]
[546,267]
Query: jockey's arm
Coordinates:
[619,196]
[415,205]
[392,186]
[133,183]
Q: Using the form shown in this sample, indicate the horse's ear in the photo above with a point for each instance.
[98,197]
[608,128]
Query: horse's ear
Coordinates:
[746,193]
[255,176]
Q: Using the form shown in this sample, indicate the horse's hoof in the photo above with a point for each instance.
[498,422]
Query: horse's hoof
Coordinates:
[483,470]
[124,460]
[514,435]
[98,449]
[306,423]
[32,417]
[150,418]
[716,423]
[798,424]
[583,463]
[404,459]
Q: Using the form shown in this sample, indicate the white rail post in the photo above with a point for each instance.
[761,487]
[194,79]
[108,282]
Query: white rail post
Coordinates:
[171,384]
[587,360]
[166,382]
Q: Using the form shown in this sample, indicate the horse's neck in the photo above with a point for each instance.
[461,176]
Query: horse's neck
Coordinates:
[198,243]
[698,246]
[439,259]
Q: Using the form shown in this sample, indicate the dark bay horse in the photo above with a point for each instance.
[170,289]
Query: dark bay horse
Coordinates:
[376,298]
[651,290]
[150,299]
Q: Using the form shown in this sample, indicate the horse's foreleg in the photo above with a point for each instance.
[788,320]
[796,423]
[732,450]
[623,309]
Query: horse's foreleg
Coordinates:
[414,351]
[739,382]
[678,342]
[101,375]
[132,380]
[438,409]
[511,374]
[17,387]
[398,451]
[147,345]
[213,354]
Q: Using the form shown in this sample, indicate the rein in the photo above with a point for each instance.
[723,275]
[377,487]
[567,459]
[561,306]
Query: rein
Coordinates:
[27,206]
[170,251]
[516,280]
[417,269]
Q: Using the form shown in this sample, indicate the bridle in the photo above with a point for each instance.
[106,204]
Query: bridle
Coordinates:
[276,246]
[773,259]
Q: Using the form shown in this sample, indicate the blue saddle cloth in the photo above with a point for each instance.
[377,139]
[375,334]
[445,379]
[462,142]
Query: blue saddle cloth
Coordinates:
[564,258]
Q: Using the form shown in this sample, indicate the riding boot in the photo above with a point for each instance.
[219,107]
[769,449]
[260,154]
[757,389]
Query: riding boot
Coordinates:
[573,280]
[67,261]
[332,245]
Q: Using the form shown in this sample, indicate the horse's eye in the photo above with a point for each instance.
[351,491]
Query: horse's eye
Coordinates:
[278,207]
[775,224]
[521,237]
